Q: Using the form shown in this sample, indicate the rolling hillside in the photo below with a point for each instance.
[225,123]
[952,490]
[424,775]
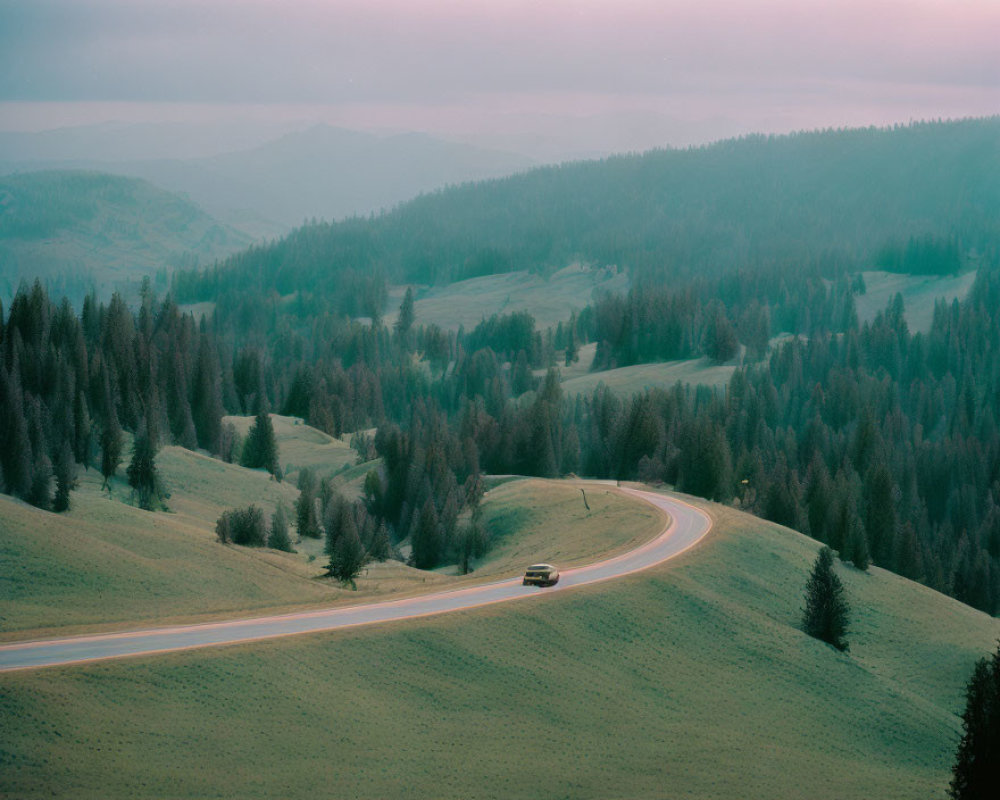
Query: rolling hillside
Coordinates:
[825,199]
[77,229]
[106,563]
[690,681]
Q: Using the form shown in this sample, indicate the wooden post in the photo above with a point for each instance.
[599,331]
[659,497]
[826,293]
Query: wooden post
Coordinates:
[585,499]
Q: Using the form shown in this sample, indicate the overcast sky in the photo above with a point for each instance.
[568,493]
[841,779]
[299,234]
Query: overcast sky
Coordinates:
[473,66]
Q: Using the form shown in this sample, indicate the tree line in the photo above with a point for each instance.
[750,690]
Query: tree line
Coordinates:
[877,441]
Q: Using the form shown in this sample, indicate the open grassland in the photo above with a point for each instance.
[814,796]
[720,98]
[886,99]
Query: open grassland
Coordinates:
[688,681]
[534,521]
[301,446]
[549,299]
[106,564]
[919,292]
[638,378]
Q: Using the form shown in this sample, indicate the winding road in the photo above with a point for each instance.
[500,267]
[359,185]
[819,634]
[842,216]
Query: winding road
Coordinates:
[687,526]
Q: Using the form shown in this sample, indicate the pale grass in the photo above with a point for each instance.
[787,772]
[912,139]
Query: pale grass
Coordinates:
[691,680]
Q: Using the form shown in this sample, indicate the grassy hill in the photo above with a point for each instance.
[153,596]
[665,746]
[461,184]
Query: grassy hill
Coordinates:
[688,681]
[550,300]
[107,564]
[639,377]
[302,447]
[81,228]
[919,292]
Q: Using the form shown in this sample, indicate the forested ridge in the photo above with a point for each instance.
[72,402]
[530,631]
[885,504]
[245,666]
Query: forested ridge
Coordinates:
[839,199]
[881,442]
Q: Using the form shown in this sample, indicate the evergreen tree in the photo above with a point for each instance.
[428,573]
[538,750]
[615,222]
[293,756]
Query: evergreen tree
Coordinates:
[407,316]
[381,546]
[143,476]
[347,556]
[206,402]
[306,518]
[826,612]
[40,493]
[65,478]
[976,772]
[427,542]
[261,448]
[112,443]
[15,447]
[277,537]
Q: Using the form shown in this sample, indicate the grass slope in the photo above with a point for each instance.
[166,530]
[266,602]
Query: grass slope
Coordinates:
[107,562]
[637,378]
[688,681]
[549,300]
[87,227]
[301,446]
[919,292]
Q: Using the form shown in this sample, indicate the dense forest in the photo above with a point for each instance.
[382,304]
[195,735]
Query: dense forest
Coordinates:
[880,442]
[841,200]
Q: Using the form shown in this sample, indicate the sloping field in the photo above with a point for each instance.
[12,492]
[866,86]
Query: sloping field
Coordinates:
[919,292]
[300,445]
[107,563]
[689,681]
[637,378]
[549,300]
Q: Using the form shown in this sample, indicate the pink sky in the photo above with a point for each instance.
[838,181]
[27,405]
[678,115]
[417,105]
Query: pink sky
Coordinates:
[474,66]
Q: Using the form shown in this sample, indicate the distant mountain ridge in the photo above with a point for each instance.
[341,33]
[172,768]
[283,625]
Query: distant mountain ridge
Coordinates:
[830,200]
[318,173]
[78,229]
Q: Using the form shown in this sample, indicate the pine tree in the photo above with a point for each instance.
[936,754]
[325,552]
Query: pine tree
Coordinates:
[427,538]
[40,493]
[381,546]
[406,318]
[65,478]
[348,557]
[111,449]
[826,611]
[277,537]
[142,473]
[261,448]
[976,772]
[306,518]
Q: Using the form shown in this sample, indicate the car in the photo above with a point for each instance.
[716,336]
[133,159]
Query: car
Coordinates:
[541,575]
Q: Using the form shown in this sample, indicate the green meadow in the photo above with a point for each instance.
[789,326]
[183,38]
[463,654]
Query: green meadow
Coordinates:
[106,564]
[550,299]
[691,680]
[919,292]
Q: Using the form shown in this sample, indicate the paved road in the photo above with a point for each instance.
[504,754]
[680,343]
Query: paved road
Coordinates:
[688,525]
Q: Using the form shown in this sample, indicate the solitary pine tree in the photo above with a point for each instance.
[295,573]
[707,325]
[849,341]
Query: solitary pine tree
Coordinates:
[976,773]
[347,556]
[261,448]
[826,611]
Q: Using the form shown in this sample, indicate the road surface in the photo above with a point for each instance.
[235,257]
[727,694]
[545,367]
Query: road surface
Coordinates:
[687,526]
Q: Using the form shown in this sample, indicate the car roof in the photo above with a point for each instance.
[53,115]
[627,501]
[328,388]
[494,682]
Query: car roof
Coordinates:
[541,566]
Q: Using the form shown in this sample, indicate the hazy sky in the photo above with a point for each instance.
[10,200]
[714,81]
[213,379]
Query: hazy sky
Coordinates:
[474,66]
